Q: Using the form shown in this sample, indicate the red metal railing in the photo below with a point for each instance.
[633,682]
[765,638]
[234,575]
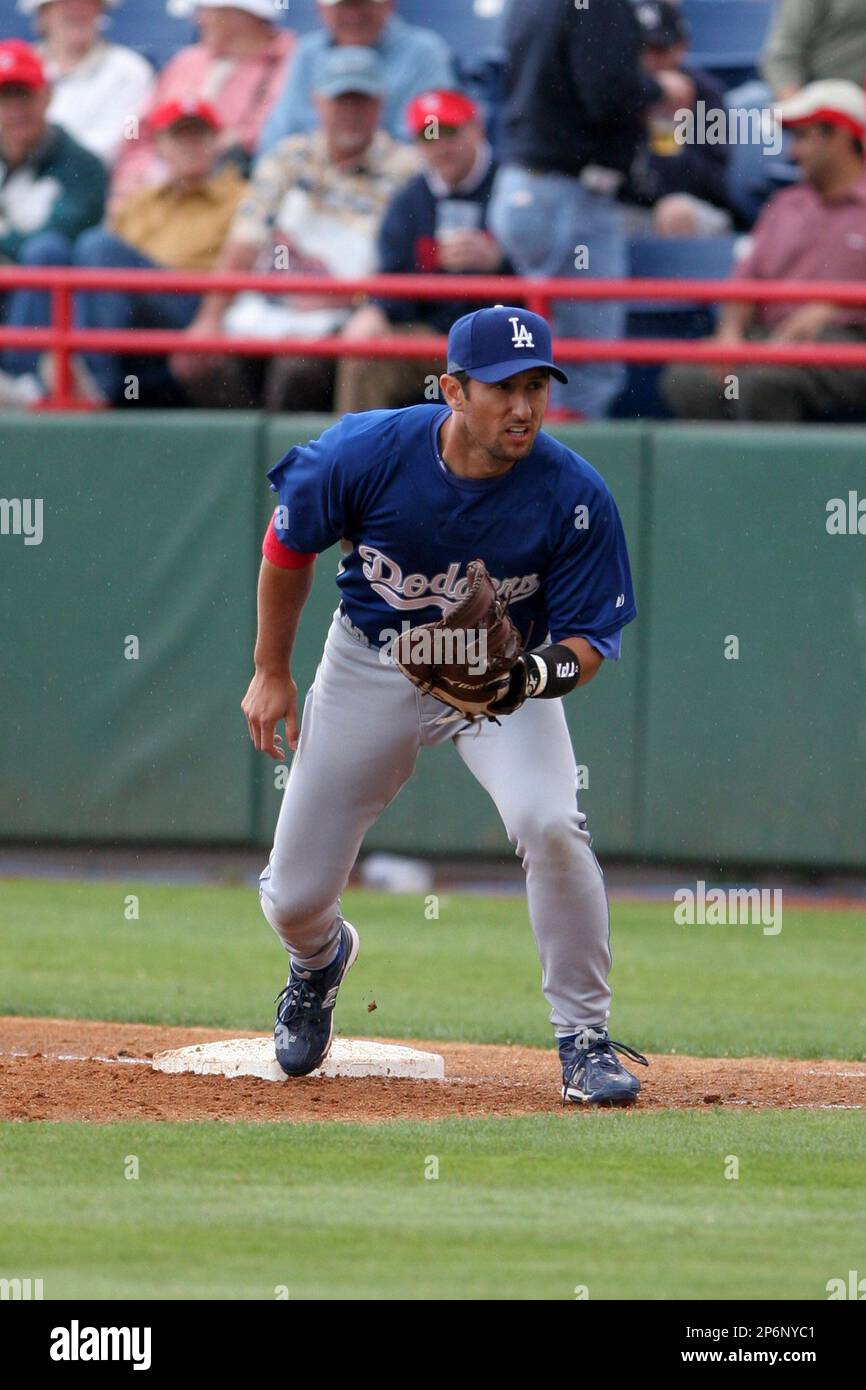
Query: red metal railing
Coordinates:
[63,339]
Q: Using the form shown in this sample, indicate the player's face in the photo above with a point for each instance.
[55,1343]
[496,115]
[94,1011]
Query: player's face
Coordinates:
[817,151]
[453,156]
[22,120]
[504,417]
[356,22]
[349,122]
[224,30]
[75,22]
[189,149]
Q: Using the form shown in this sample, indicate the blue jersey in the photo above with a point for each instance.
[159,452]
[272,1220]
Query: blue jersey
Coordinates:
[548,530]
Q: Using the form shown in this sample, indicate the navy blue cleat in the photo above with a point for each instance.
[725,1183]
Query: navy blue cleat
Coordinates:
[305,1009]
[592,1074]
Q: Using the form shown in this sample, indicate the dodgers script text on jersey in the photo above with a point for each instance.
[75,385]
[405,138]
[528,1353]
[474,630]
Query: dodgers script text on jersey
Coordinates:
[548,530]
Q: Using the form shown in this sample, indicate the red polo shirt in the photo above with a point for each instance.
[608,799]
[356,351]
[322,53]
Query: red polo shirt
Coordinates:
[800,236]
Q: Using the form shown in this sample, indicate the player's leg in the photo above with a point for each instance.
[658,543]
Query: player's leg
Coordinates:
[791,394]
[100,249]
[31,308]
[694,392]
[358,744]
[772,394]
[527,765]
[385,383]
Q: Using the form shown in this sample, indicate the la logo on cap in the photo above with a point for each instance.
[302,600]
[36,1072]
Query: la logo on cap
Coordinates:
[522,336]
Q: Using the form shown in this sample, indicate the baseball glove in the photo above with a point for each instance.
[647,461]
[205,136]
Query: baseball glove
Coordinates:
[467,657]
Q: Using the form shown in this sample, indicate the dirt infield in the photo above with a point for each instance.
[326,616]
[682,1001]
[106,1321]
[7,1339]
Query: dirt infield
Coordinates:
[50,1069]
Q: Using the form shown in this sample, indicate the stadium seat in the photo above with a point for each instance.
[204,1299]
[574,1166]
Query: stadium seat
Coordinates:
[689,258]
[301,16]
[14,25]
[143,25]
[472,28]
[150,30]
[680,258]
[755,171]
[727,36]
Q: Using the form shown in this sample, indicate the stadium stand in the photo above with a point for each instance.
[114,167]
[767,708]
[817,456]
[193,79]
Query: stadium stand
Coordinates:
[14,25]
[689,258]
[157,36]
[728,35]
[140,24]
[755,173]
[473,28]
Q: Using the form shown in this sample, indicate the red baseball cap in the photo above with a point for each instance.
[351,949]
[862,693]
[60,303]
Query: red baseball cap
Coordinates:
[186,109]
[21,66]
[448,108]
[832,101]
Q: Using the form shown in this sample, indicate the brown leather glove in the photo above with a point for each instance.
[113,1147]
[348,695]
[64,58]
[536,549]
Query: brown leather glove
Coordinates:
[467,657]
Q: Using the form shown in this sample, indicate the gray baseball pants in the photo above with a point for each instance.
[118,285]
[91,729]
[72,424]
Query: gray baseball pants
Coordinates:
[362,729]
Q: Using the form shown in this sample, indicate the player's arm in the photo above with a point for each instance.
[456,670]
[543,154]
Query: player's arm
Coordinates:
[588,596]
[316,509]
[589,659]
[735,320]
[549,673]
[272,693]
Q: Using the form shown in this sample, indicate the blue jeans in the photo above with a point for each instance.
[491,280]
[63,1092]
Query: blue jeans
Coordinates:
[121,309]
[542,220]
[32,308]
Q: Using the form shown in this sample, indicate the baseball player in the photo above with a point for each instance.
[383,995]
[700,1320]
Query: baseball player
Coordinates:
[427,497]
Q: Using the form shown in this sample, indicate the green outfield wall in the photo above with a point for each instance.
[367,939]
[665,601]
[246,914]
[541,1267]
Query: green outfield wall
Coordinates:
[734,728]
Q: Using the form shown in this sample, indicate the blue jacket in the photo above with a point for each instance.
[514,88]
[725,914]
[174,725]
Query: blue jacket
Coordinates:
[575,90]
[407,246]
[415,60]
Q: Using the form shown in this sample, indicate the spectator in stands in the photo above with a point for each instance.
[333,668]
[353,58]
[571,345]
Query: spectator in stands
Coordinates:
[576,96]
[436,224]
[315,205]
[97,87]
[815,230]
[811,40]
[676,188]
[50,191]
[414,60]
[181,224]
[239,66]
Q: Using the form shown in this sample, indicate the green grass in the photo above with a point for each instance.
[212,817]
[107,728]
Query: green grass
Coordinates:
[631,1205]
[205,956]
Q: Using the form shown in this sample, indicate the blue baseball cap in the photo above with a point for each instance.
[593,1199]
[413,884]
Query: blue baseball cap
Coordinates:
[348,68]
[493,344]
